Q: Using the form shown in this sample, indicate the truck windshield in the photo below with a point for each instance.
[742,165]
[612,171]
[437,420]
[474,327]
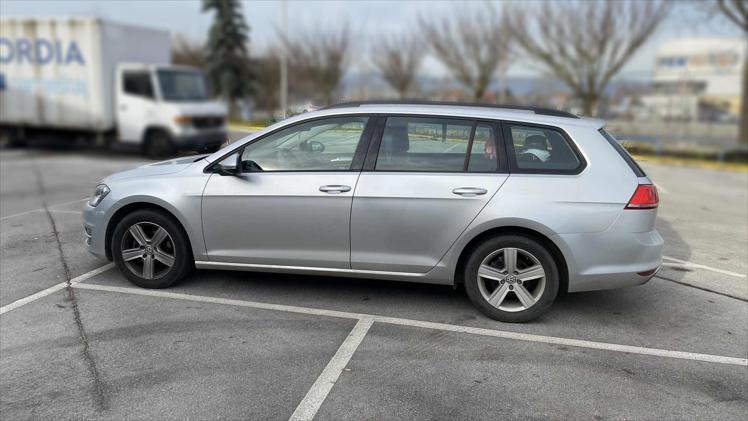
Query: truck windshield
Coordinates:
[182,85]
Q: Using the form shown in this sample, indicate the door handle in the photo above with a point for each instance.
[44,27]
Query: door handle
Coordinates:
[335,189]
[469,191]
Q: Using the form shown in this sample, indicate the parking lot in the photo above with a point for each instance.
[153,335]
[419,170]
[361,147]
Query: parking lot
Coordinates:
[78,341]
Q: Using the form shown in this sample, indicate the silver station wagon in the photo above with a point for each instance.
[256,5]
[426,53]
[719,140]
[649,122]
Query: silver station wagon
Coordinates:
[515,204]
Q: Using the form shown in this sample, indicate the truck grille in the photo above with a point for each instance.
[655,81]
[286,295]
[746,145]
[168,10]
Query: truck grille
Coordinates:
[207,122]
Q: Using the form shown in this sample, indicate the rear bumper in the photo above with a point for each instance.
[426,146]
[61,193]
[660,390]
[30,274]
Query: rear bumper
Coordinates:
[612,259]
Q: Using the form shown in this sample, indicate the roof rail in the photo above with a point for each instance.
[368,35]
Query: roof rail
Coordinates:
[536,110]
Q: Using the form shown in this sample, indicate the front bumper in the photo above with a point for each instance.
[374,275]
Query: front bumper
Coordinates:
[94,227]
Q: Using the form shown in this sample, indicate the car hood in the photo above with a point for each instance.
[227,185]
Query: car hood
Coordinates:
[170,166]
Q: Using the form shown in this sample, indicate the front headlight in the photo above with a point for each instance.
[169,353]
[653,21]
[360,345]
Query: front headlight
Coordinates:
[99,194]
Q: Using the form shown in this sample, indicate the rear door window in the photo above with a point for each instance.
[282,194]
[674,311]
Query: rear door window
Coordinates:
[436,144]
[484,152]
[424,144]
[541,149]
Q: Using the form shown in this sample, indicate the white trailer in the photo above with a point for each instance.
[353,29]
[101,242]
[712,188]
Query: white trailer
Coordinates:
[104,80]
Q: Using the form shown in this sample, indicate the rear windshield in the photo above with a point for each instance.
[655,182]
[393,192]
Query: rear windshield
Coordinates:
[624,154]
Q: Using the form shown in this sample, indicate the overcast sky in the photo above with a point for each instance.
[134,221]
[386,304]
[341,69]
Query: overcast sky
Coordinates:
[367,20]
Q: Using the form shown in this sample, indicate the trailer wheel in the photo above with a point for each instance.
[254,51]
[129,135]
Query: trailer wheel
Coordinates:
[158,144]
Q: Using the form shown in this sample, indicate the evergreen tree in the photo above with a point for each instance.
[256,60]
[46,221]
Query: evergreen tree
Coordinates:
[226,56]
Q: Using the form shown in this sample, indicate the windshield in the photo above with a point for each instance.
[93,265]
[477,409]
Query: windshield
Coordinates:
[182,85]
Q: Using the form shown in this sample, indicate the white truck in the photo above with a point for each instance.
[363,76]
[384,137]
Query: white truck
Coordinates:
[89,78]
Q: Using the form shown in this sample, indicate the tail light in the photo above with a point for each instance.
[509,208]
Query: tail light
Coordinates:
[645,197]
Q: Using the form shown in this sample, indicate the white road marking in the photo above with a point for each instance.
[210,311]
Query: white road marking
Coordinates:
[660,188]
[66,211]
[429,325]
[317,394]
[54,288]
[686,264]
[41,209]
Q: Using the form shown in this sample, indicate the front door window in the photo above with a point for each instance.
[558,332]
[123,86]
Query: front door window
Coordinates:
[327,144]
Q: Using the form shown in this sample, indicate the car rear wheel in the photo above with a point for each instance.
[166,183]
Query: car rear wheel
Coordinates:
[151,250]
[511,278]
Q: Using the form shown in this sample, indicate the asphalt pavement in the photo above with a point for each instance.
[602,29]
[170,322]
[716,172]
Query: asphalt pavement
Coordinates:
[241,345]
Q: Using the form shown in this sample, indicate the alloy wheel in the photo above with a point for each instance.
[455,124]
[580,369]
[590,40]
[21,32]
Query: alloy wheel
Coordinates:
[511,279]
[148,250]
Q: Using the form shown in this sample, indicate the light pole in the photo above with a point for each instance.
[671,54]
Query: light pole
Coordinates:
[284,60]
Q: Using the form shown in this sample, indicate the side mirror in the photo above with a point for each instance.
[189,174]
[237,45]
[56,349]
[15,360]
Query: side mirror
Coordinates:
[230,165]
[248,166]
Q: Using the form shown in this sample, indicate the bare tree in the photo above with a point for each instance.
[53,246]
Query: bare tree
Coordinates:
[267,78]
[471,43]
[736,11]
[320,60]
[398,59]
[586,43]
[187,52]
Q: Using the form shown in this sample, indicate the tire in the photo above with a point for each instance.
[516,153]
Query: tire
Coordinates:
[158,145]
[211,149]
[16,139]
[175,245]
[523,299]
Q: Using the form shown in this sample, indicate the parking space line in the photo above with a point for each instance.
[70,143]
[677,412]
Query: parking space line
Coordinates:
[41,209]
[54,288]
[317,394]
[686,264]
[430,325]
[66,211]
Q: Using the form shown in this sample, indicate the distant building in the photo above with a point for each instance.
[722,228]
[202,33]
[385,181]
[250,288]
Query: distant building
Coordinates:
[697,78]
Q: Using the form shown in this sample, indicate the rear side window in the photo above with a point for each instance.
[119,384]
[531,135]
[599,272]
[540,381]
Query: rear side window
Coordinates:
[624,153]
[540,149]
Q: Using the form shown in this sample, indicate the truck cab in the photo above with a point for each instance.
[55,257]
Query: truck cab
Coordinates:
[165,108]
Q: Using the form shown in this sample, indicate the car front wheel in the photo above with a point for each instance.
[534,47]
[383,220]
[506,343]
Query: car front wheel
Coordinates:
[151,250]
[511,278]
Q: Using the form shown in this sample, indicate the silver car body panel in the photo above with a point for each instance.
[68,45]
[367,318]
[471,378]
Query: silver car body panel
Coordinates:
[406,222]
[397,225]
[279,219]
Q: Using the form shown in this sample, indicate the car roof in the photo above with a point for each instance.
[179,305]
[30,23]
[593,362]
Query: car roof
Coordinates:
[480,111]
[534,110]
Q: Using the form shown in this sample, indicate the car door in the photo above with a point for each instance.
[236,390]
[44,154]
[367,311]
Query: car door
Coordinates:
[293,207]
[424,181]
[135,104]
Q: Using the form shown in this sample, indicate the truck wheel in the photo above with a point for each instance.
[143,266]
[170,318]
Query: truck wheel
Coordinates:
[158,145]
[511,278]
[16,139]
[211,149]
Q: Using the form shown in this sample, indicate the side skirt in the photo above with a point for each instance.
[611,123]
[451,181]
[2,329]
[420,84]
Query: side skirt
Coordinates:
[309,270]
